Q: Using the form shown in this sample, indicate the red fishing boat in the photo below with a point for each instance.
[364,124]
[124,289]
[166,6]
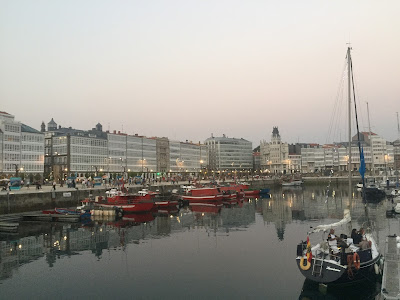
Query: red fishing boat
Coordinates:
[128,202]
[203,195]
[234,191]
[159,203]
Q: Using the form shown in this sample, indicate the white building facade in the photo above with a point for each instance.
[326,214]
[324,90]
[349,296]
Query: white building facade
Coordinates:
[229,154]
[187,157]
[22,148]
[275,154]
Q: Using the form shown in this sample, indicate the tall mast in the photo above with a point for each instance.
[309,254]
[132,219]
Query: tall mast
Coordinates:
[349,115]
[398,126]
[370,142]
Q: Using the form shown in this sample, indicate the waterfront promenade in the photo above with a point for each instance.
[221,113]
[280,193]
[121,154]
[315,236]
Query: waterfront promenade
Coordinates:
[31,199]
[258,182]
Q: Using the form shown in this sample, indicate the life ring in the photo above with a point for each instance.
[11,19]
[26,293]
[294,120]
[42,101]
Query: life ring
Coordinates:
[356,261]
[304,267]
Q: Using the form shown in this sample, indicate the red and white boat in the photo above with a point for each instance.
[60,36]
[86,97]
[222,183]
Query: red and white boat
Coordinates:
[147,194]
[128,202]
[203,195]
[159,203]
[235,191]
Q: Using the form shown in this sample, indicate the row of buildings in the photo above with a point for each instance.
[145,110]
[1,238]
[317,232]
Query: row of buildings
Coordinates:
[279,157]
[58,152]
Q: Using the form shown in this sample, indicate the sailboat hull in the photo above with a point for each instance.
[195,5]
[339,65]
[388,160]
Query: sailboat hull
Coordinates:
[334,273]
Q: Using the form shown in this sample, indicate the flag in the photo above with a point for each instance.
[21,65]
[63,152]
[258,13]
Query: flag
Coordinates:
[362,163]
[309,253]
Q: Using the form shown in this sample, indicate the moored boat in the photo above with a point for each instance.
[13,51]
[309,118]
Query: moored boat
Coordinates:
[203,195]
[66,211]
[293,183]
[342,260]
[128,202]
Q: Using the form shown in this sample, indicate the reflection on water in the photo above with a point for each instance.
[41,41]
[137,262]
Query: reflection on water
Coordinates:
[252,231]
[359,291]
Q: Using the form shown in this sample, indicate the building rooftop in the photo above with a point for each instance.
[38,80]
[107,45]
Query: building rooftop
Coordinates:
[26,128]
[225,138]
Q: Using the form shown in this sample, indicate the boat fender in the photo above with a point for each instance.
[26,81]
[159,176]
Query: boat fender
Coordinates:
[356,261]
[306,266]
[376,269]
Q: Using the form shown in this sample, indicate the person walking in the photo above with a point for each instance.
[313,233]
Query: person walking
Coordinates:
[54,185]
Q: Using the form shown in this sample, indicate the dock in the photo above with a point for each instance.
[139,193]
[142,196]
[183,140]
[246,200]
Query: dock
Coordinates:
[391,279]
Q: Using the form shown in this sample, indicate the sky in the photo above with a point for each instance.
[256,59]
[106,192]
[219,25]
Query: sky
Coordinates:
[188,69]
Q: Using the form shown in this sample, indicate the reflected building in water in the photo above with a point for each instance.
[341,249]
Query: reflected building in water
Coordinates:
[53,241]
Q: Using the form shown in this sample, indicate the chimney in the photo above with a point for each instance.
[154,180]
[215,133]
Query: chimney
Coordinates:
[114,131]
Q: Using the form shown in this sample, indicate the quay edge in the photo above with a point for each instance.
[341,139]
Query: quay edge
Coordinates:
[34,200]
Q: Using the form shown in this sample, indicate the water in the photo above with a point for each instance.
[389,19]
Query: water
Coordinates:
[243,252]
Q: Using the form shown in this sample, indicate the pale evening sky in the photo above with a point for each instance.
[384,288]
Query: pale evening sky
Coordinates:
[186,69]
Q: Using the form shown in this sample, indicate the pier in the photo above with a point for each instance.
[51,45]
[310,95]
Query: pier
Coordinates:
[391,279]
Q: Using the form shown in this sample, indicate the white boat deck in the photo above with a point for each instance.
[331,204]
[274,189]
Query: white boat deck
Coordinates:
[391,278]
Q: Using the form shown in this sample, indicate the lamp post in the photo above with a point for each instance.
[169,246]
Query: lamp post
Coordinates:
[386,160]
[95,168]
[201,169]
[17,169]
[125,167]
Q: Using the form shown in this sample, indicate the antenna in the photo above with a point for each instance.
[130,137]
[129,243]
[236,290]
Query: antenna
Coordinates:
[398,126]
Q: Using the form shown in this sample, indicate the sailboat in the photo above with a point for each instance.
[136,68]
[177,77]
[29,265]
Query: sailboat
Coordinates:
[344,259]
[372,192]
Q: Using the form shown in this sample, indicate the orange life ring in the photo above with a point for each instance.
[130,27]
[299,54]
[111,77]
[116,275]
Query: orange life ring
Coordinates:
[306,266]
[356,261]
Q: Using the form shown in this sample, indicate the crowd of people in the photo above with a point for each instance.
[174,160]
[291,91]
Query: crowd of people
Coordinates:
[357,238]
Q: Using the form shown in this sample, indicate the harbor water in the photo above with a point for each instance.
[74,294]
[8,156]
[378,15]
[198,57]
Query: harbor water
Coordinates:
[242,251]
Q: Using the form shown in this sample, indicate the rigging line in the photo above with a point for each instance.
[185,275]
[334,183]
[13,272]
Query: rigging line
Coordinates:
[338,111]
[336,104]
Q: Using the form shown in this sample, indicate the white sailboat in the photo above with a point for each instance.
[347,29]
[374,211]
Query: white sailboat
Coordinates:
[340,260]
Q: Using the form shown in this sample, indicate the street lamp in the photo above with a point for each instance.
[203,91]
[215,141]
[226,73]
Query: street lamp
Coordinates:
[17,169]
[386,160]
[95,168]
[143,160]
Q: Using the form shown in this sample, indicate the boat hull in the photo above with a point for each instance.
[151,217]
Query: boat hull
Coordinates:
[333,273]
[200,199]
[134,207]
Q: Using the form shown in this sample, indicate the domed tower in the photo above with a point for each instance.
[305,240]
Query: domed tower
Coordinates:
[51,125]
